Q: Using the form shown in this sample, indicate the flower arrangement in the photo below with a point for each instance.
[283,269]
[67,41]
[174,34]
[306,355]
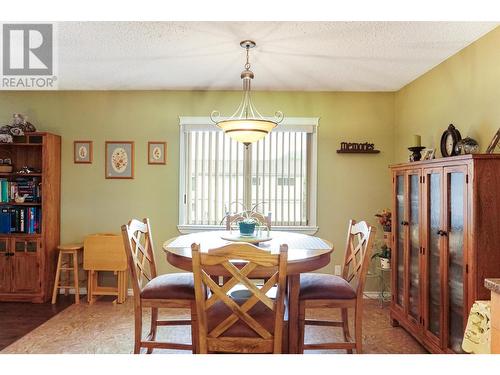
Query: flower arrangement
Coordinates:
[384,218]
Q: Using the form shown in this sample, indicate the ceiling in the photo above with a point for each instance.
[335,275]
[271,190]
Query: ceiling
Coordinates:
[310,56]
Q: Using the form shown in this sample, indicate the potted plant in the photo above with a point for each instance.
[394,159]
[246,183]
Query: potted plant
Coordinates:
[384,253]
[246,220]
[385,220]
[247,226]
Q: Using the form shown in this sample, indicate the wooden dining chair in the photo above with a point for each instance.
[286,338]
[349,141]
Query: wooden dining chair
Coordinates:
[253,325]
[175,290]
[232,219]
[329,291]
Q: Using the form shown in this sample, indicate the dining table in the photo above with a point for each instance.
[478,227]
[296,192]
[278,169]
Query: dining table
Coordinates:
[306,253]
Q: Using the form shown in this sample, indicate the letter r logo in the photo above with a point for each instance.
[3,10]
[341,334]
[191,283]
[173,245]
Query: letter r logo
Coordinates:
[27,49]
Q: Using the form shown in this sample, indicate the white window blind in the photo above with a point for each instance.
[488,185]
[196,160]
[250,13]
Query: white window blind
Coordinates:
[215,176]
[219,175]
[279,166]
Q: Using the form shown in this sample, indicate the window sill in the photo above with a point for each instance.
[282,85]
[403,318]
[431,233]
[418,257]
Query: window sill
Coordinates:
[186,229]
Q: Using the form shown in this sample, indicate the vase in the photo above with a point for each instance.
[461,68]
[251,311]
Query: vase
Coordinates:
[247,229]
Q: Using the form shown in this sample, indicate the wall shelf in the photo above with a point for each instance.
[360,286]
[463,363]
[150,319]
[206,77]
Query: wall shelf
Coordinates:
[358,152]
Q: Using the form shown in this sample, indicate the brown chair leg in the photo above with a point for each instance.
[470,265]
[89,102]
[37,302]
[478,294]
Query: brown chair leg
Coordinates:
[194,330]
[345,327]
[302,327]
[154,327]
[358,328]
[138,330]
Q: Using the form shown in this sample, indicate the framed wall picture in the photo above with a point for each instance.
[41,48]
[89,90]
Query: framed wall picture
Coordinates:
[157,152]
[429,153]
[119,159]
[82,152]
[494,143]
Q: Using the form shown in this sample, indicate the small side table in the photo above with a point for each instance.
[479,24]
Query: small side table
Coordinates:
[384,294]
[70,250]
[379,273]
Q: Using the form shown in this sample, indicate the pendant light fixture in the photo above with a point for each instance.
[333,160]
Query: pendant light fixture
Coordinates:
[247,125]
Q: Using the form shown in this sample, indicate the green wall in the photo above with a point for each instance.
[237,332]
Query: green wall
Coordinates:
[463,90]
[349,186]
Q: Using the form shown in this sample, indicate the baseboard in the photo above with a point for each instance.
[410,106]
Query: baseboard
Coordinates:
[83,290]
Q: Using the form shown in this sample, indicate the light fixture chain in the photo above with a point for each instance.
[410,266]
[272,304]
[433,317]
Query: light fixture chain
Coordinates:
[247,65]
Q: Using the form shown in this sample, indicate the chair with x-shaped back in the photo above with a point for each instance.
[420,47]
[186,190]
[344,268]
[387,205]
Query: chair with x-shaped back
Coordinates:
[174,290]
[329,291]
[253,325]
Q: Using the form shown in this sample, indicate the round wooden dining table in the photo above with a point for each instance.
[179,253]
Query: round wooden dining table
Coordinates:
[305,254]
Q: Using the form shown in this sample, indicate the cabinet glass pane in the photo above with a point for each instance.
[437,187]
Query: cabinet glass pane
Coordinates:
[400,215]
[31,246]
[3,245]
[413,302]
[455,261]
[433,274]
[19,246]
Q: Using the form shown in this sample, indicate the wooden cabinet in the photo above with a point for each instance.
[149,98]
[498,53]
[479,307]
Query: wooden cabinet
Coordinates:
[27,252]
[446,231]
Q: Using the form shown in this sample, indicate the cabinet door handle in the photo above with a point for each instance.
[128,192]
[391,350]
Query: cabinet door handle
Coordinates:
[442,232]
[404,223]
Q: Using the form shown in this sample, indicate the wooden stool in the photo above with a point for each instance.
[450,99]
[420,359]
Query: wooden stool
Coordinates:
[72,251]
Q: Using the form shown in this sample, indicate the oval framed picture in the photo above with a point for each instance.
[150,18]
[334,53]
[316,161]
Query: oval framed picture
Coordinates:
[82,152]
[157,152]
[119,159]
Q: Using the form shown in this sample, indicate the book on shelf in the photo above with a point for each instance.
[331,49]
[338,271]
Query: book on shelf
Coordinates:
[30,187]
[20,220]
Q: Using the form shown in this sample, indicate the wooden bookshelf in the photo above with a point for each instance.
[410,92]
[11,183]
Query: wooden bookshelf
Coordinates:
[27,260]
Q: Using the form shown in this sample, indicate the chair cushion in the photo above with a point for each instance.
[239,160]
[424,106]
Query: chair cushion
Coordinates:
[323,286]
[170,286]
[260,312]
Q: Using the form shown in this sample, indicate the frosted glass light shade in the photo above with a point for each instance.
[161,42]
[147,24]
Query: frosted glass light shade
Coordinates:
[247,130]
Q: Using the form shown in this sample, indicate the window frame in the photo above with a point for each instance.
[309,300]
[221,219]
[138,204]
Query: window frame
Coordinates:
[292,123]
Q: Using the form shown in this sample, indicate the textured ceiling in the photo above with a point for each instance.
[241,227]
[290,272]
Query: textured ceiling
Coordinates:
[314,56]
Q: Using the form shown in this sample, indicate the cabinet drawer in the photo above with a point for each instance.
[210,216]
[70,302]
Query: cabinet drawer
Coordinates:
[25,245]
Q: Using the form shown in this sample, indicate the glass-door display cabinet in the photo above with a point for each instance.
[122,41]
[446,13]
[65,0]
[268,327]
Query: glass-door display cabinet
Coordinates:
[446,230]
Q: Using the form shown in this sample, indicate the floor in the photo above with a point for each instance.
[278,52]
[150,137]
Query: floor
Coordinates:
[18,319]
[107,328]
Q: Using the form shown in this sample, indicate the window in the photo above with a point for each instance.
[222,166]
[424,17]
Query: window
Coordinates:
[219,175]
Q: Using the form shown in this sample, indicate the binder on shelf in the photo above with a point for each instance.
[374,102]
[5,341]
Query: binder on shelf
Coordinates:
[5,220]
[4,190]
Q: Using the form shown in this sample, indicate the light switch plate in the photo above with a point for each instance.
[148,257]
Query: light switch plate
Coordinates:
[338,269]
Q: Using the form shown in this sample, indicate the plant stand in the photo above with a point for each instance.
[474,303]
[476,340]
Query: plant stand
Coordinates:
[384,294]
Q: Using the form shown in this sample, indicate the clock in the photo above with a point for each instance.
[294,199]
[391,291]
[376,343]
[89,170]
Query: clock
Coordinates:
[449,140]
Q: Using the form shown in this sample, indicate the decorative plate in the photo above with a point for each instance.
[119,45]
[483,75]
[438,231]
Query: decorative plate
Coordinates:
[249,239]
